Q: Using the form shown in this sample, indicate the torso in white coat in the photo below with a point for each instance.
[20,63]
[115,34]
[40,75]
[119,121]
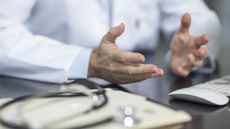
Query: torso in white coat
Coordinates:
[84,22]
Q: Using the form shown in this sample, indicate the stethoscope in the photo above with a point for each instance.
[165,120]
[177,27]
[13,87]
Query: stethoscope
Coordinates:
[97,96]
[125,115]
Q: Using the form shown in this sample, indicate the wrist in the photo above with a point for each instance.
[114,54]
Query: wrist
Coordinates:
[92,64]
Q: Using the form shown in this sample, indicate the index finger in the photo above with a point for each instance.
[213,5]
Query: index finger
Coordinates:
[134,69]
[202,40]
[128,57]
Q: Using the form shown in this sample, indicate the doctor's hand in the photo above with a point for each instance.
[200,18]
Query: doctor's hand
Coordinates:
[115,65]
[186,50]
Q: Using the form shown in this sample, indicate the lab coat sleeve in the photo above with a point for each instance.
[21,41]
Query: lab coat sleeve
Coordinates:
[28,56]
[204,21]
[80,70]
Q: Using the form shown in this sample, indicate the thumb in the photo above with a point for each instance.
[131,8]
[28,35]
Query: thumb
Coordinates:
[114,33]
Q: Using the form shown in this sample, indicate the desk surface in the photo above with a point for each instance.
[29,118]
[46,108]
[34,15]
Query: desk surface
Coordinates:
[204,117]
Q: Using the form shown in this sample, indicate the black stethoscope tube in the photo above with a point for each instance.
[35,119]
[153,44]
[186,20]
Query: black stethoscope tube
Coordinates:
[99,91]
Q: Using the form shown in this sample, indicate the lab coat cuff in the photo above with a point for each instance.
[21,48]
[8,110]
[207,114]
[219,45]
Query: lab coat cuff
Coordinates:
[79,68]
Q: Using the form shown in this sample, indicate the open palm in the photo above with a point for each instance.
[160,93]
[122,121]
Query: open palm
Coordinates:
[186,50]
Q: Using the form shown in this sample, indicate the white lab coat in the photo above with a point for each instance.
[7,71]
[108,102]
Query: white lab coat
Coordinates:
[41,39]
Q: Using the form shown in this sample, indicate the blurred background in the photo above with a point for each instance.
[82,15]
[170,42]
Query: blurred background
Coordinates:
[222,8]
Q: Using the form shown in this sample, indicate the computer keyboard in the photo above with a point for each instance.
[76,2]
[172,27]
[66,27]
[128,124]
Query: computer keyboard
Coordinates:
[221,85]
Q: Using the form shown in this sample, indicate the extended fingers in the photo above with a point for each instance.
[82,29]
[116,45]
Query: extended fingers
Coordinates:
[126,78]
[197,57]
[185,69]
[201,53]
[193,60]
[133,69]
[182,72]
[139,77]
[126,57]
[202,40]
[135,72]
[129,73]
